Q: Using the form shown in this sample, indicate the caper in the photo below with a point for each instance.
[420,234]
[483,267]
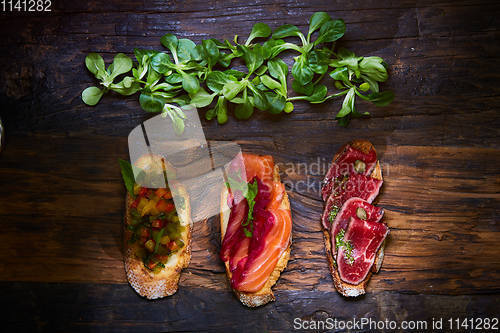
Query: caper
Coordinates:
[359,166]
[361,213]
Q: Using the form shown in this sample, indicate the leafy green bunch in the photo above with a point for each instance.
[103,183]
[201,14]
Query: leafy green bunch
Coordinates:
[201,74]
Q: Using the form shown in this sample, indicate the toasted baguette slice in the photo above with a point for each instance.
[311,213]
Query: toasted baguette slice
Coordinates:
[346,289]
[164,283]
[264,295]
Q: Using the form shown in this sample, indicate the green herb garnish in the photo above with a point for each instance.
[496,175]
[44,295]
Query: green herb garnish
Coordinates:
[333,213]
[249,192]
[128,176]
[199,75]
[340,242]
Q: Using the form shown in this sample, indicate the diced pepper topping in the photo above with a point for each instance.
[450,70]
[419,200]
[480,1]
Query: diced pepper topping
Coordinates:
[137,189]
[163,193]
[173,246]
[150,245]
[158,224]
[165,206]
[143,192]
[165,240]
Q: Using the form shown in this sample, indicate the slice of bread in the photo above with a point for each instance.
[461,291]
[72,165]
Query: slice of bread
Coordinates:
[265,294]
[164,283]
[346,289]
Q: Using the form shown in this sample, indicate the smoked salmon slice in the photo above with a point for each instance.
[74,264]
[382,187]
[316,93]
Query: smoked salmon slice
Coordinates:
[253,259]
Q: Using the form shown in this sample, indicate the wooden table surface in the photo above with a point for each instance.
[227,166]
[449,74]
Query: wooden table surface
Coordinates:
[62,197]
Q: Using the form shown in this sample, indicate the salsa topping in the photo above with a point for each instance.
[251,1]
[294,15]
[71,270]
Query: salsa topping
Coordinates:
[155,226]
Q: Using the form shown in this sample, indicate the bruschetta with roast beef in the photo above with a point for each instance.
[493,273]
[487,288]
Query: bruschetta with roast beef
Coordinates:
[157,233]
[353,231]
[256,228]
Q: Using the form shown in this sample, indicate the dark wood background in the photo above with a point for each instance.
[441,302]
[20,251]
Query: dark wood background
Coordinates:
[62,198]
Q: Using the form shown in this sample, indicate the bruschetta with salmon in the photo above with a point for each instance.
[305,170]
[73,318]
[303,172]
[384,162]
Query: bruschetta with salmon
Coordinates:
[256,228]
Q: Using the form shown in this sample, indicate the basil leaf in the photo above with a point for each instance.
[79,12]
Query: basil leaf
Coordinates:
[302,89]
[277,68]
[210,114]
[347,105]
[151,103]
[210,52]
[170,42]
[92,95]
[316,21]
[161,63]
[190,83]
[258,30]
[237,74]
[318,94]
[231,89]
[121,65]
[373,84]
[221,109]
[269,82]
[269,46]
[128,176]
[318,60]
[142,54]
[174,78]
[186,50]
[253,57]
[243,111]
[301,70]
[259,100]
[330,31]
[94,63]
[177,116]
[276,102]
[340,74]
[216,80]
[286,30]
[202,98]
[126,87]
[381,99]
[373,68]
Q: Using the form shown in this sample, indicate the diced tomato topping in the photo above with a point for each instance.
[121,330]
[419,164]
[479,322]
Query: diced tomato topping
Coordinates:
[143,191]
[163,193]
[172,245]
[157,224]
[165,206]
[161,258]
[135,203]
[152,265]
[144,233]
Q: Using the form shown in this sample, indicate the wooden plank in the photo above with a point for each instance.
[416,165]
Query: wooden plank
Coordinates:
[116,308]
[71,223]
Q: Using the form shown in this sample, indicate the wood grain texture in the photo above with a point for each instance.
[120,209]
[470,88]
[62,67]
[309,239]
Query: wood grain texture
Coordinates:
[73,225]
[61,194]
[98,307]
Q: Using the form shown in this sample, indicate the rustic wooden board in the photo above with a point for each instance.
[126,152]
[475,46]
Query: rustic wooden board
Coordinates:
[61,199]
